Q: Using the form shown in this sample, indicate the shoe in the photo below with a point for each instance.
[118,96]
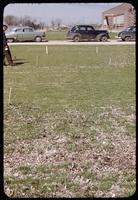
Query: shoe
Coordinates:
[12,64]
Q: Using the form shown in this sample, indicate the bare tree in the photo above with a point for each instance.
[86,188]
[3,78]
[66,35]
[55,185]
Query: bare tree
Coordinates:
[58,22]
[42,25]
[23,21]
[53,23]
[11,20]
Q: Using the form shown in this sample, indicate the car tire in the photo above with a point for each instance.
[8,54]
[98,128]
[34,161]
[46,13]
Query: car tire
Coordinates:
[76,38]
[104,38]
[127,38]
[38,39]
[10,40]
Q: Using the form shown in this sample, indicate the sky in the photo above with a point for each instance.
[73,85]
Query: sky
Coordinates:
[68,13]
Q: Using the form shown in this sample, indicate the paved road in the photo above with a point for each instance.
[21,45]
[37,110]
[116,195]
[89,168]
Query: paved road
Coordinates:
[65,42]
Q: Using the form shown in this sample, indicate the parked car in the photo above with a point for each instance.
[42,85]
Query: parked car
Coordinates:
[25,34]
[127,34]
[87,32]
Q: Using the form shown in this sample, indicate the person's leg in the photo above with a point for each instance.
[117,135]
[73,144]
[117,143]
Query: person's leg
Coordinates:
[9,59]
[9,53]
[4,58]
[4,63]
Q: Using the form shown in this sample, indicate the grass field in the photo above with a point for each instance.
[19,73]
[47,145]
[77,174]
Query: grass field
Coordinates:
[69,122]
[56,35]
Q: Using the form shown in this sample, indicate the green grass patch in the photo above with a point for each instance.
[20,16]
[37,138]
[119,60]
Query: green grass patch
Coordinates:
[112,35]
[129,182]
[24,169]
[107,182]
[88,174]
[72,76]
[56,35]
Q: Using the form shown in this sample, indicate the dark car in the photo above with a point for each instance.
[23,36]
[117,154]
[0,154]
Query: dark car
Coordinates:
[25,34]
[127,34]
[87,32]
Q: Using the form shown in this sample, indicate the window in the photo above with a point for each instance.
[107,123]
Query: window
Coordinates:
[118,20]
[19,30]
[89,28]
[104,22]
[130,28]
[28,30]
[82,28]
[75,28]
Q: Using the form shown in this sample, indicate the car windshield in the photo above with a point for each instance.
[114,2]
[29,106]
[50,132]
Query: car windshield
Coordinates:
[74,28]
[16,30]
[128,29]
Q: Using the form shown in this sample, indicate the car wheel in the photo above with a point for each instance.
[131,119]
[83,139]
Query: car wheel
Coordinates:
[127,38]
[10,40]
[76,38]
[38,39]
[104,38]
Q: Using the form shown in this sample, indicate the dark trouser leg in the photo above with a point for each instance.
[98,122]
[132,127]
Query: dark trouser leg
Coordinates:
[4,58]
[10,53]
[4,63]
[9,58]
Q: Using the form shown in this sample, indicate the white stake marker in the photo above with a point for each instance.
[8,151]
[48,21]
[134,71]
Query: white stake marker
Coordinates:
[96,49]
[46,50]
[109,61]
[37,58]
[9,100]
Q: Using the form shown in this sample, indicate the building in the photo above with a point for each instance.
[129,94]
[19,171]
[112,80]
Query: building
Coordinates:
[119,17]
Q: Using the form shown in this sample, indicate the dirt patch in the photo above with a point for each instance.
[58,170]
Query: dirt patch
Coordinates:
[95,153]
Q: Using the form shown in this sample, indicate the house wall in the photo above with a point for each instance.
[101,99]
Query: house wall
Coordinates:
[119,17]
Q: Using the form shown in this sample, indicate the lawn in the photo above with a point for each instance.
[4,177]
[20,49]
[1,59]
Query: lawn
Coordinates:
[69,122]
[56,35]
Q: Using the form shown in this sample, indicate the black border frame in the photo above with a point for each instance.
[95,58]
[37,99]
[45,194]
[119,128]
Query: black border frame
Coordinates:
[2,6]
